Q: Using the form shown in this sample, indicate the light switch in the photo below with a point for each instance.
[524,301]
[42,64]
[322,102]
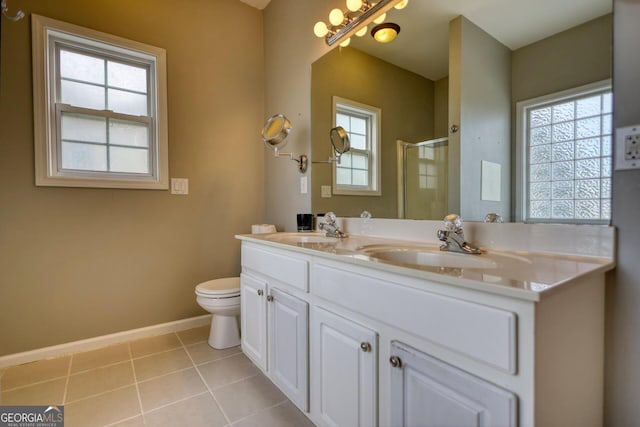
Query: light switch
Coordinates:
[303,185]
[627,147]
[325,191]
[179,186]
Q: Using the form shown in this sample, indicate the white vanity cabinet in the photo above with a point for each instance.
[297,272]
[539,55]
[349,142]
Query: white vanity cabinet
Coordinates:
[357,343]
[344,371]
[275,323]
[427,392]
[253,319]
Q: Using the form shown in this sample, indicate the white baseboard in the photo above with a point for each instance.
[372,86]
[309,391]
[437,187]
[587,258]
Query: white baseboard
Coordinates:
[102,341]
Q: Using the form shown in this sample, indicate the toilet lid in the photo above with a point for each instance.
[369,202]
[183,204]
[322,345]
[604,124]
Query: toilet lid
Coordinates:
[227,286]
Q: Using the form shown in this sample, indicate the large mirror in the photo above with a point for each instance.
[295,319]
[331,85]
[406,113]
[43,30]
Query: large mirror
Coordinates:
[447,92]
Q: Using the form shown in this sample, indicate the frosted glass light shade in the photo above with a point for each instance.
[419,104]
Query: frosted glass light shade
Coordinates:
[320,29]
[402,4]
[354,5]
[380,19]
[385,33]
[346,42]
[336,17]
[362,31]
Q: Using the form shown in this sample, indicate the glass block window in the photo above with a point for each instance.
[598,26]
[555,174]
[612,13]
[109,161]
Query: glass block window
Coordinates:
[104,109]
[358,169]
[568,158]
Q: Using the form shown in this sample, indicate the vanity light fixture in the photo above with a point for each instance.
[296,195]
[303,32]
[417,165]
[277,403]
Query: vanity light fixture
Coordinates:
[385,33]
[5,12]
[360,13]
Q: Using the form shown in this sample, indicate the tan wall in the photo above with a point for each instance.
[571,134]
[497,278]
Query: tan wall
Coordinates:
[565,60]
[290,47]
[77,263]
[407,103]
[441,108]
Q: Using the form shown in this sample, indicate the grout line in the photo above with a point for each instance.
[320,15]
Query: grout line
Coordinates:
[66,384]
[283,402]
[125,419]
[122,362]
[236,381]
[146,380]
[135,380]
[155,353]
[224,413]
[229,356]
[177,401]
[122,387]
[36,383]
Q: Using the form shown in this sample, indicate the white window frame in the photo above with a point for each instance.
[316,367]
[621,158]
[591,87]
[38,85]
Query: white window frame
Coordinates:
[47,35]
[521,149]
[374,115]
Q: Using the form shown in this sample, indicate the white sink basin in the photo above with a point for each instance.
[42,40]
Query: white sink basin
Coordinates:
[295,238]
[433,257]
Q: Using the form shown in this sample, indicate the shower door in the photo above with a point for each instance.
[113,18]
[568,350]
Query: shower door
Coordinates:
[422,179]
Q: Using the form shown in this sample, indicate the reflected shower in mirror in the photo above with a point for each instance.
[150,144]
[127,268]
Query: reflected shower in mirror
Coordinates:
[422,90]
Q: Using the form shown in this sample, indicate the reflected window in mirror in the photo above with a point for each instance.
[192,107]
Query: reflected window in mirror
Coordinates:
[567,155]
[358,172]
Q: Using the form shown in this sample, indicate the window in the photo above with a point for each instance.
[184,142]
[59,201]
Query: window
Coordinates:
[566,155]
[358,170]
[99,107]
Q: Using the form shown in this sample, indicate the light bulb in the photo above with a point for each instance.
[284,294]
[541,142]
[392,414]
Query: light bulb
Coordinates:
[346,42]
[402,4]
[361,32]
[336,17]
[354,5]
[320,29]
[380,19]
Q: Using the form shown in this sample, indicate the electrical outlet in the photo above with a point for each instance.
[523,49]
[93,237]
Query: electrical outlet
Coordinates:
[632,147]
[325,191]
[627,147]
[179,186]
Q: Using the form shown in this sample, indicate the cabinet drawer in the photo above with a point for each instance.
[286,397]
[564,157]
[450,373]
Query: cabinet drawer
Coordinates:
[484,333]
[277,265]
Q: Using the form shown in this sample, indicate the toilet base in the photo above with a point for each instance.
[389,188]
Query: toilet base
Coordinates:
[225,332]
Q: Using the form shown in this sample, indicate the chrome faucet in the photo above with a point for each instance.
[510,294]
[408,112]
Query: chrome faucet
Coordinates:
[493,217]
[453,237]
[330,227]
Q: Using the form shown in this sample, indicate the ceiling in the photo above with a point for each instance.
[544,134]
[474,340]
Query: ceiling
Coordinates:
[258,4]
[422,46]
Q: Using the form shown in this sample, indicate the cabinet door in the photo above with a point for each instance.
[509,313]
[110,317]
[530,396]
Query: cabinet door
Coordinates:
[253,319]
[428,392]
[288,343]
[344,371]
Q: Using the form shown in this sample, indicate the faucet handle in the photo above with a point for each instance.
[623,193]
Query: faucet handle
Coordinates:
[330,218]
[492,217]
[453,222]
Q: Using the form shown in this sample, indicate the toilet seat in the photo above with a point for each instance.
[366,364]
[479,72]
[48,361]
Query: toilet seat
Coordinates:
[219,288]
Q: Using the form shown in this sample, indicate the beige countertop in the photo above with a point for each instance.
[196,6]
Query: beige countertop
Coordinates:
[515,273]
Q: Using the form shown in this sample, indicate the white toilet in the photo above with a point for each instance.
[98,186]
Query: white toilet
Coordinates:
[221,298]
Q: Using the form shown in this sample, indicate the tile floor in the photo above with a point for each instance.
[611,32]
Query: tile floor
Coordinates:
[168,380]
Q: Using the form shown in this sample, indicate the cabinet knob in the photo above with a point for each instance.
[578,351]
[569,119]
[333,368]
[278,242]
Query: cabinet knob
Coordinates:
[365,346]
[395,362]
[260,292]
[269,298]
